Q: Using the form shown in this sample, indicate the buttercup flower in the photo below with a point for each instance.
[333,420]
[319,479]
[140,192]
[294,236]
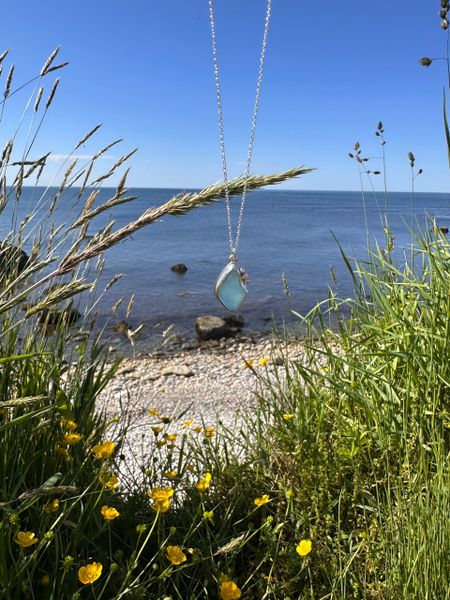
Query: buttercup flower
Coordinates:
[262,500]
[90,573]
[109,482]
[176,555]
[249,364]
[209,432]
[25,539]
[304,547]
[62,451]
[45,580]
[72,438]
[170,474]
[154,412]
[208,515]
[51,506]
[157,429]
[188,423]
[161,443]
[161,498]
[68,424]
[198,428]
[203,484]
[109,513]
[263,361]
[288,416]
[104,450]
[170,437]
[229,591]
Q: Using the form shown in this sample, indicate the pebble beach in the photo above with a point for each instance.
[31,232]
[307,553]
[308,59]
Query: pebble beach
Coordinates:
[206,382]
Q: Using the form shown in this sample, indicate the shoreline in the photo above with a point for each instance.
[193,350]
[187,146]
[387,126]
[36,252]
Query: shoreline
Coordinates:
[207,383]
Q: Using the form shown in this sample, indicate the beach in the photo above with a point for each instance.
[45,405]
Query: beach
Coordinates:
[209,383]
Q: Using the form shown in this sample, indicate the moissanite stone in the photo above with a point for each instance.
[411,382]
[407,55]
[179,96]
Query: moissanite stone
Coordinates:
[230,287]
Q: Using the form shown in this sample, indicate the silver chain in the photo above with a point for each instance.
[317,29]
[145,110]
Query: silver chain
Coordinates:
[234,243]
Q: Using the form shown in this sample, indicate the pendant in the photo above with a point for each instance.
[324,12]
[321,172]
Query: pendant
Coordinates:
[231,288]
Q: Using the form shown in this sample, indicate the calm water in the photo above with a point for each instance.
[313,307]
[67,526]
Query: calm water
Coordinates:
[283,232]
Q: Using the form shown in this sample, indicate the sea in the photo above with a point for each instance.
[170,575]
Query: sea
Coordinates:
[290,246]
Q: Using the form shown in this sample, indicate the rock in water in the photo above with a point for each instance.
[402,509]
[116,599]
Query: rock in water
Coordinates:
[236,321]
[12,259]
[179,268]
[59,316]
[212,328]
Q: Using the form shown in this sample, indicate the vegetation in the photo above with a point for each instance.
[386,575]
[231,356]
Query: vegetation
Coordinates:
[336,487]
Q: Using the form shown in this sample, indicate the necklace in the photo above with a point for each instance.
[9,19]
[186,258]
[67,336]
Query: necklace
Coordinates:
[231,284]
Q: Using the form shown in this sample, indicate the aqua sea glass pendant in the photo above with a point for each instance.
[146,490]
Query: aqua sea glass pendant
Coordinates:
[231,288]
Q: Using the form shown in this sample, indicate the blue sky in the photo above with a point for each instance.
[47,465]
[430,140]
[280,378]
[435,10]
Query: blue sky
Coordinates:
[333,70]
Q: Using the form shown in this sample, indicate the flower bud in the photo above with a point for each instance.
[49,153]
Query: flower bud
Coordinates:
[425,61]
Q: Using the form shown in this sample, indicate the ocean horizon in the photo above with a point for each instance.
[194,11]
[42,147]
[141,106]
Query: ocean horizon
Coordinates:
[287,234]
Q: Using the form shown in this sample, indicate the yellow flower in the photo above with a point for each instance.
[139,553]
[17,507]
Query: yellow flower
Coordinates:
[176,555]
[198,428]
[208,515]
[209,432]
[68,424]
[204,483]
[160,494]
[25,539]
[170,474]
[170,437]
[162,506]
[263,361]
[261,501]
[304,547]
[157,429]
[90,573]
[109,482]
[51,506]
[161,498]
[109,513]
[288,416]
[72,438]
[161,443]
[154,412]
[188,423]
[229,591]
[62,451]
[248,364]
[104,450]
[45,580]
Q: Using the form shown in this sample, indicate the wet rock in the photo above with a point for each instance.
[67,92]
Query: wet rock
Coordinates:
[54,317]
[236,321]
[209,327]
[12,259]
[179,268]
